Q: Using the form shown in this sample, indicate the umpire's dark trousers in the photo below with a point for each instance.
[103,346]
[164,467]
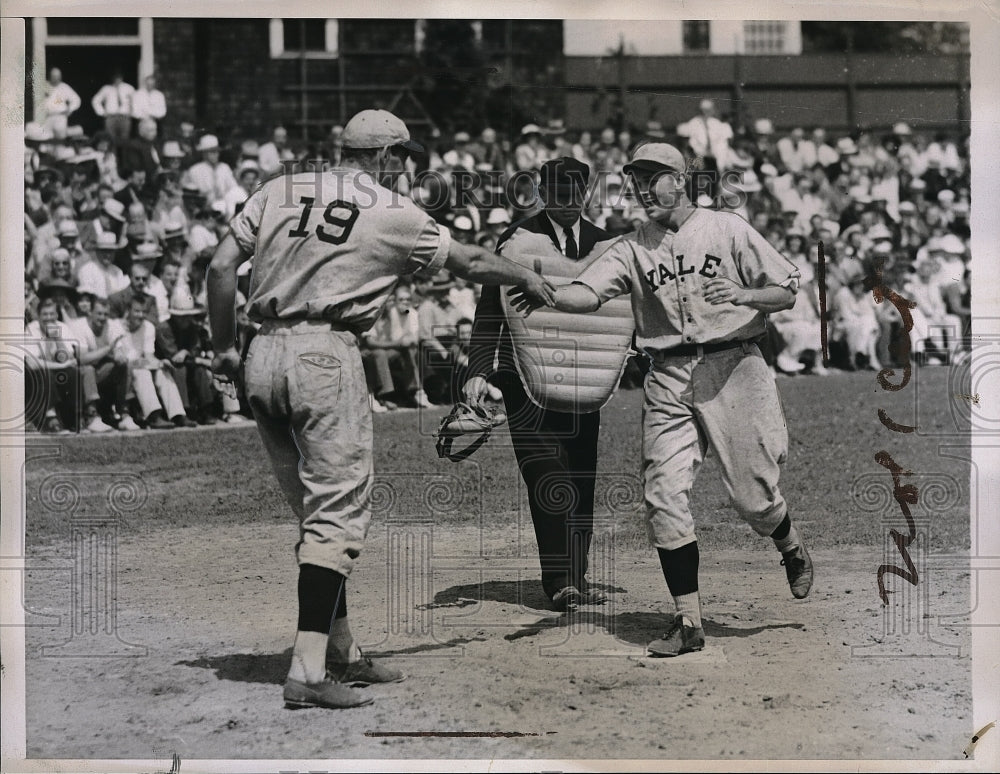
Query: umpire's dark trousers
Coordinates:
[557,455]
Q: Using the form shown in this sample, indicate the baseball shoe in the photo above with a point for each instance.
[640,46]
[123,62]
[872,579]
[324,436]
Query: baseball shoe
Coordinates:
[363,672]
[681,637]
[799,569]
[328,694]
[235,419]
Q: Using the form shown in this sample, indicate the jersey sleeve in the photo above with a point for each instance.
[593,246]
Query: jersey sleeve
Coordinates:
[610,275]
[759,263]
[430,251]
[246,223]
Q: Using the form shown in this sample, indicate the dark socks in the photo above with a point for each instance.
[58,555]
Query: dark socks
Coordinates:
[321,598]
[680,569]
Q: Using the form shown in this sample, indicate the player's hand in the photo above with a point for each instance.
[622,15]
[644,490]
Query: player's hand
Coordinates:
[724,291]
[539,290]
[474,390]
[226,365]
[521,302]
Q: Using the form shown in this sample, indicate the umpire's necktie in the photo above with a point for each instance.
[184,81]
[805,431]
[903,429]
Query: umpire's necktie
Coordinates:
[571,249]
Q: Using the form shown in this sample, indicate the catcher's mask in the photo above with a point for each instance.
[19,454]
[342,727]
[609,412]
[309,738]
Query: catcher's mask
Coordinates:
[466,420]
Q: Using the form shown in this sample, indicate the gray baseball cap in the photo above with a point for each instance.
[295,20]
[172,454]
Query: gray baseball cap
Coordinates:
[656,156]
[378,129]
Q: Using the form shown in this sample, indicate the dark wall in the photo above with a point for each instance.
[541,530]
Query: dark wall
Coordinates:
[840,92]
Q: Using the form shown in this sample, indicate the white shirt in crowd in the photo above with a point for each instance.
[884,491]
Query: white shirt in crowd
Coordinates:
[708,137]
[61,100]
[148,103]
[213,182]
[112,100]
[89,341]
[103,281]
[201,237]
[270,158]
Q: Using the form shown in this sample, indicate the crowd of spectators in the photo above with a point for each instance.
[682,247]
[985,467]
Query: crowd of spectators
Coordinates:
[119,228]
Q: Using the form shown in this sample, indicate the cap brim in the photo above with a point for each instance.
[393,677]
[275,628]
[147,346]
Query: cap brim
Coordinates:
[411,146]
[649,165]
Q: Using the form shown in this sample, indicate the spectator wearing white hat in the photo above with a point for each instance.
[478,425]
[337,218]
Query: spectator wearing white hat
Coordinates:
[172,156]
[459,157]
[110,218]
[101,277]
[148,101]
[213,178]
[113,103]
[61,101]
[248,176]
[531,153]
[949,252]
[933,324]
[274,155]
[497,221]
[854,322]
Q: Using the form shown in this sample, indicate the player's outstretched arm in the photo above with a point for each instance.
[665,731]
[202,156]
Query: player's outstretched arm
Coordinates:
[478,265]
[221,280]
[574,297]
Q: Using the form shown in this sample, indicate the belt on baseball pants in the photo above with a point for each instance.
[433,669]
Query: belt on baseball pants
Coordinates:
[303,325]
[698,350]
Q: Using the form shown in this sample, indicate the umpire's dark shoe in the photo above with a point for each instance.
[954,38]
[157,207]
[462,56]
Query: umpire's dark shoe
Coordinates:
[799,569]
[327,694]
[682,637]
[363,672]
[567,598]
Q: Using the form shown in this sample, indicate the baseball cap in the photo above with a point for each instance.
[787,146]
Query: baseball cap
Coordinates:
[378,129]
[656,156]
[564,172]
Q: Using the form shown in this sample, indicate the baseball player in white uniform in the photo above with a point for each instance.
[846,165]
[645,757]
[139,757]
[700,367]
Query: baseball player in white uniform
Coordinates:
[328,249]
[701,284]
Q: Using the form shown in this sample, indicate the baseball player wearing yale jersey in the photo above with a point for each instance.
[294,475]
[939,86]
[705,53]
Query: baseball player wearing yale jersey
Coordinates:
[328,250]
[701,283]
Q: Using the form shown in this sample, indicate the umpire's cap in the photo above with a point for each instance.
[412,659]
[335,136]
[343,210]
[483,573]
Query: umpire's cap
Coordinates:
[378,129]
[656,156]
[564,172]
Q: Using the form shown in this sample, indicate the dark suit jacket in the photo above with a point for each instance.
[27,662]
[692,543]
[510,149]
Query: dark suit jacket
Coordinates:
[490,336]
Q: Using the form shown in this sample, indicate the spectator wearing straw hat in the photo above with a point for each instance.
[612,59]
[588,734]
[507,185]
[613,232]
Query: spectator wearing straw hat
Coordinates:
[61,101]
[183,339]
[175,244]
[213,178]
[101,276]
[64,293]
[172,156]
[459,156]
[531,152]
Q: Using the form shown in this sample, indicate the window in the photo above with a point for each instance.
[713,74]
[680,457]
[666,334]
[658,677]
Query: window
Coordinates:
[764,37]
[314,38]
[83,26]
[696,36]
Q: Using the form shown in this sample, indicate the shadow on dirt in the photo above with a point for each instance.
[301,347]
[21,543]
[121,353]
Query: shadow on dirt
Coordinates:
[524,593]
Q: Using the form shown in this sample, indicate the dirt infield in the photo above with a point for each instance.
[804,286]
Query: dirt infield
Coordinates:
[203,581]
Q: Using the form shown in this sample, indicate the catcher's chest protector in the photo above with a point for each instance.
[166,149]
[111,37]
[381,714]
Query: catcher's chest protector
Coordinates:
[567,362]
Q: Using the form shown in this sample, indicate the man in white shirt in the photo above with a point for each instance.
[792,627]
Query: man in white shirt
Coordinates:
[272,155]
[155,389]
[113,102]
[103,366]
[249,175]
[391,356]
[708,139]
[148,101]
[796,152]
[61,101]
[101,277]
[213,178]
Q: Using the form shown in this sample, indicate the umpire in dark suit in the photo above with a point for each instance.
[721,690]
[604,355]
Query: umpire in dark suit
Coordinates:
[556,451]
